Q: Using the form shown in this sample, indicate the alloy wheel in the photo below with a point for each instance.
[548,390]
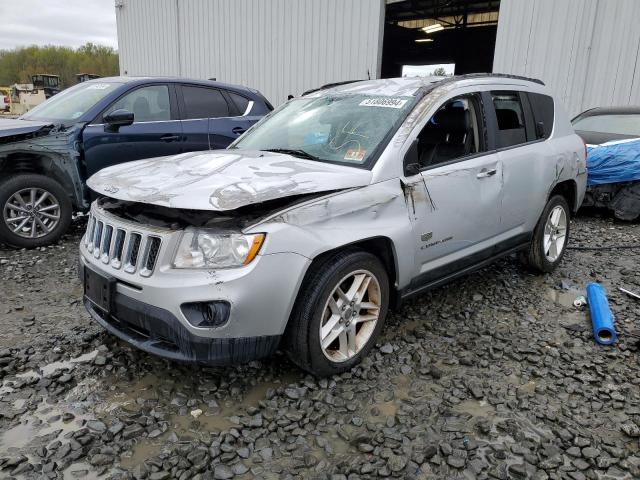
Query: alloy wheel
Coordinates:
[350,316]
[555,233]
[32,212]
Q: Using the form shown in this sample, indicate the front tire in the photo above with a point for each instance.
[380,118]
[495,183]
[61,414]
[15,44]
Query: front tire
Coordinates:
[339,313]
[550,236]
[36,211]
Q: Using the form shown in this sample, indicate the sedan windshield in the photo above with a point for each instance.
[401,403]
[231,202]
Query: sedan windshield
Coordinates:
[72,103]
[622,124]
[340,129]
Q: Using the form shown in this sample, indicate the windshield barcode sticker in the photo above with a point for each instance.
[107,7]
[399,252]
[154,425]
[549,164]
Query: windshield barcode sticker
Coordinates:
[383,102]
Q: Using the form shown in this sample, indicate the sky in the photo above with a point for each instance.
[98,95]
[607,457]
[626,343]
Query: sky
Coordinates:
[425,70]
[69,23]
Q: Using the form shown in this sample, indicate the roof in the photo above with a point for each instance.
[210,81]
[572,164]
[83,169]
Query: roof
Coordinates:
[408,86]
[622,110]
[195,81]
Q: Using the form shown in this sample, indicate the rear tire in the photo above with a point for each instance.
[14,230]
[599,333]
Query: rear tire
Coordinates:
[339,313]
[36,211]
[550,237]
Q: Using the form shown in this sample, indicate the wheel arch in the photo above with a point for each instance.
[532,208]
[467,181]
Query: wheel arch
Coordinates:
[569,190]
[380,246]
[17,163]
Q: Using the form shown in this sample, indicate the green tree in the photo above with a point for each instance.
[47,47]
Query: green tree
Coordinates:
[17,66]
[439,72]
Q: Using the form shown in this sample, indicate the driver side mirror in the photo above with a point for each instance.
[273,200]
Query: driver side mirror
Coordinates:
[118,118]
[411,162]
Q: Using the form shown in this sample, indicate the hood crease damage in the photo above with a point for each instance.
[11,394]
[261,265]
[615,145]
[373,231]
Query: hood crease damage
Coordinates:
[223,180]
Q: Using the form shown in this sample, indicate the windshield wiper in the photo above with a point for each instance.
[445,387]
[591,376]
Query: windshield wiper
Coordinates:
[293,152]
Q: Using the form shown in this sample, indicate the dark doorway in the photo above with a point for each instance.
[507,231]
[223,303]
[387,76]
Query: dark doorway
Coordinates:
[430,32]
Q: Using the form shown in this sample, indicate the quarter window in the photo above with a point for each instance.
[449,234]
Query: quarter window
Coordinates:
[452,133]
[202,102]
[241,102]
[148,104]
[542,106]
[510,119]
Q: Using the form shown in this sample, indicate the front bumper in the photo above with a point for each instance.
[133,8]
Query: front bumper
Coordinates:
[157,331]
[148,304]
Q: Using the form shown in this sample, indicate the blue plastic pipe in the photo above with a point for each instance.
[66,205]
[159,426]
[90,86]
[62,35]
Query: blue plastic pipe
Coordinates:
[601,316]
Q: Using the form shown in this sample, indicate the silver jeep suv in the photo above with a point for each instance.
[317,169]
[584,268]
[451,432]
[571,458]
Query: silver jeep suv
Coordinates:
[331,209]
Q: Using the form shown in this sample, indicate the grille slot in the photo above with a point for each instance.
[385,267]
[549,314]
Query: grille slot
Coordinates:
[97,238]
[106,244]
[135,239]
[88,238]
[151,256]
[118,247]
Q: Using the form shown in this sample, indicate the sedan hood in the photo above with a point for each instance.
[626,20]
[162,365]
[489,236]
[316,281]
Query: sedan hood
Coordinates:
[11,127]
[222,180]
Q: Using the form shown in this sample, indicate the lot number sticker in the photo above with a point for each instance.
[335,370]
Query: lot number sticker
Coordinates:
[383,102]
[354,155]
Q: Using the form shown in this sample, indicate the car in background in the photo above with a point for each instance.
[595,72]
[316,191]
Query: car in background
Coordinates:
[612,136]
[47,154]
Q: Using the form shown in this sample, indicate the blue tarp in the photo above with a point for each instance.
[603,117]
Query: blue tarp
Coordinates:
[613,162]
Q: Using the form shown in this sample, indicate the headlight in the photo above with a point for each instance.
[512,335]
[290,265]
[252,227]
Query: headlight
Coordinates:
[203,249]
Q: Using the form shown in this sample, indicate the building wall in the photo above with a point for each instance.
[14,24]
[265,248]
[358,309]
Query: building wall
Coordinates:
[280,47]
[586,51]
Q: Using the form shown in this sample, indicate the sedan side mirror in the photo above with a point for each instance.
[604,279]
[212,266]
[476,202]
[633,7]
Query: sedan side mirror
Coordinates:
[118,118]
[411,162]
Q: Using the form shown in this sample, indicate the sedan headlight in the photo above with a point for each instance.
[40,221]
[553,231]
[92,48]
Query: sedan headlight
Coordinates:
[204,249]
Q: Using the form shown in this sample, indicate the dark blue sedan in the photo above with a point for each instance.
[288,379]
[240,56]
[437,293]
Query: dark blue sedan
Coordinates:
[47,154]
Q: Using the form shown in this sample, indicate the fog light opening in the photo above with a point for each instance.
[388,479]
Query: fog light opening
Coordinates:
[206,314]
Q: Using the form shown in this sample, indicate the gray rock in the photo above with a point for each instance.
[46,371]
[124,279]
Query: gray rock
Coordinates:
[222,472]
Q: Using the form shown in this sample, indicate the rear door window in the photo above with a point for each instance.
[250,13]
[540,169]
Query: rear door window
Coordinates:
[510,119]
[543,113]
[203,102]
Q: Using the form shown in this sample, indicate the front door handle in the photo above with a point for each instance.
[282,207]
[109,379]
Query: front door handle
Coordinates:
[484,173]
[238,130]
[169,138]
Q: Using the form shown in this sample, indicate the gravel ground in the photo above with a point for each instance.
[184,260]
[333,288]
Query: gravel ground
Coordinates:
[493,376]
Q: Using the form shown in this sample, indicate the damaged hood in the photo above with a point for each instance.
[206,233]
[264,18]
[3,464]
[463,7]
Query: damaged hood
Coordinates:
[222,180]
[11,127]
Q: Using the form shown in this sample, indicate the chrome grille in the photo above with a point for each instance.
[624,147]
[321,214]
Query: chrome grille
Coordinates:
[135,239]
[120,246]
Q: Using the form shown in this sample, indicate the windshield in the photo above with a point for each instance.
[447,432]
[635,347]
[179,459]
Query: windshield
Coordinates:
[623,124]
[72,103]
[340,128]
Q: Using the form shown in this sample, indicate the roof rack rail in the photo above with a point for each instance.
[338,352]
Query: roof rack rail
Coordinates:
[499,75]
[329,85]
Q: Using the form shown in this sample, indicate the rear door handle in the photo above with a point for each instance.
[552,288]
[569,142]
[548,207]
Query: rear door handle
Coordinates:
[238,130]
[169,138]
[484,173]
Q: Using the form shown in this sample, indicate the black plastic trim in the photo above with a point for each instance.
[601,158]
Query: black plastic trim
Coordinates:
[439,276]
[156,331]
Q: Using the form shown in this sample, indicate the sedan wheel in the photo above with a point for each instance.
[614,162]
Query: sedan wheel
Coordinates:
[32,213]
[350,316]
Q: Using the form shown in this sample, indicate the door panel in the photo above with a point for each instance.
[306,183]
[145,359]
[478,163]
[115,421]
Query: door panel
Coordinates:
[525,171]
[455,209]
[525,161]
[155,131]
